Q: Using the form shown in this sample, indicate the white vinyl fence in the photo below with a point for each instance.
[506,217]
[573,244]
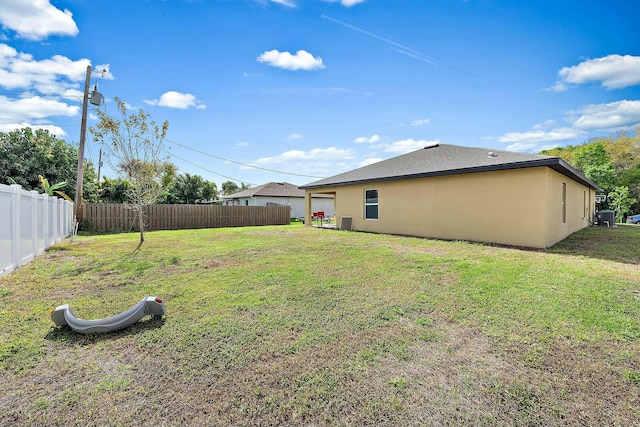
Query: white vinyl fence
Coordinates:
[29,224]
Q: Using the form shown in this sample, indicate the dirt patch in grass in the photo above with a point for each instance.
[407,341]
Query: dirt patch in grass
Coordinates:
[316,328]
[452,376]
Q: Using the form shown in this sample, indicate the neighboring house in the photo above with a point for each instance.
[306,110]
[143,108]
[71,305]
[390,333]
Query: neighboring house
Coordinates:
[280,193]
[460,193]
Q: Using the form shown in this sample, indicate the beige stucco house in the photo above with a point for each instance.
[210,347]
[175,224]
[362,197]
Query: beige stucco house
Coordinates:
[461,193]
[277,194]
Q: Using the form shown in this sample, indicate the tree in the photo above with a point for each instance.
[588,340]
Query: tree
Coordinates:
[620,201]
[188,188]
[169,177]
[624,150]
[134,145]
[51,189]
[26,154]
[114,190]
[593,160]
[231,187]
[194,189]
[611,162]
[209,191]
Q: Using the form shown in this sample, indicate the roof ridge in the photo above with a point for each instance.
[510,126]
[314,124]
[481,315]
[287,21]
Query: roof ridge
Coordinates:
[445,159]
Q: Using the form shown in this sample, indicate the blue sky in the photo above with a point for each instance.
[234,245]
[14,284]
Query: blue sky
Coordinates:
[313,88]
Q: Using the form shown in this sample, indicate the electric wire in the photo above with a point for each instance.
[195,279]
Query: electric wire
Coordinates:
[240,163]
[205,169]
[216,157]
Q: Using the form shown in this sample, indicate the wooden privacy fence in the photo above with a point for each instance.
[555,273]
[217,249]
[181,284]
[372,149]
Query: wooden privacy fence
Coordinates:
[104,217]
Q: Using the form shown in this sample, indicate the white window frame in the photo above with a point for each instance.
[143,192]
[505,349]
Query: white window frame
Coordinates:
[376,204]
[564,202]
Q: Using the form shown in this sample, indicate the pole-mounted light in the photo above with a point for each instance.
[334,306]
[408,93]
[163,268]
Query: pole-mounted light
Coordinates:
[95,99]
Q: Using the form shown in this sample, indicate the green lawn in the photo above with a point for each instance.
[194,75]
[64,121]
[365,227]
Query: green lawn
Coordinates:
[295,325]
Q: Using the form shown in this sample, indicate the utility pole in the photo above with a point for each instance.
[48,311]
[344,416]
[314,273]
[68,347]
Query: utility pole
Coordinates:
[77,207]
[96,99]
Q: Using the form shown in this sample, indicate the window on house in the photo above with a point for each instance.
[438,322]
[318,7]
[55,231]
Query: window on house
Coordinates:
[564,202]
[371,204]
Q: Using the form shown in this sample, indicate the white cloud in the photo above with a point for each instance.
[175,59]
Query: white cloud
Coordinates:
[346,3]
[547,147]
[32,112]
[521,147]
[330,153]
[287,3]
[408,145]
[547,123]
[419,122]
[538,135]
[294,136]
[370,140]
[36,19]
[173,99]
[369,161]
[35,107]
[612,71]
[302,60]
[607,116]
[53,76]
[319,162]
[54,130]
[611,116]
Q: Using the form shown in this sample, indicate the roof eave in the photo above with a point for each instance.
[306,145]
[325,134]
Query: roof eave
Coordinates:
[554,163]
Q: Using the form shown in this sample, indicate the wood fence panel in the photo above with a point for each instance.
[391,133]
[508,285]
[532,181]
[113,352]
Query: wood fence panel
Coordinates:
[104,217]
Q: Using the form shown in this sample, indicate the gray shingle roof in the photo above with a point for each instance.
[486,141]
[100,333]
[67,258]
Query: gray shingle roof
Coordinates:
[444,159]
[270,189]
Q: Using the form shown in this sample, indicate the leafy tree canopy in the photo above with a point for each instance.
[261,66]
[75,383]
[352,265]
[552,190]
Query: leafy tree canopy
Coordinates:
[613,163]
[26,154]
[230,187]
[114,190]
[194,189]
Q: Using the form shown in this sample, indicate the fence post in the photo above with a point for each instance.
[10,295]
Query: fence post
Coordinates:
[33,201]
[60,219]
[41,221]
[47,222]
[15,225]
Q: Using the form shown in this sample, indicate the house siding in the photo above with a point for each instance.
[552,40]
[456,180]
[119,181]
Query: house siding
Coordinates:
[296,204]
[576,217]
[519,207]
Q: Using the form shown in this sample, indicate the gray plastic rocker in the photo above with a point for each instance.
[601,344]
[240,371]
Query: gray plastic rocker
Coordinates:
[152,306]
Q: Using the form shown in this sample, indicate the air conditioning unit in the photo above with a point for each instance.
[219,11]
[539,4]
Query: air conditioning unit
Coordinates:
[605,218]
[346,223]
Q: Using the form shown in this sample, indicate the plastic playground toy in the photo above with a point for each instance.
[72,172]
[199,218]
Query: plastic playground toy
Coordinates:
[152,306]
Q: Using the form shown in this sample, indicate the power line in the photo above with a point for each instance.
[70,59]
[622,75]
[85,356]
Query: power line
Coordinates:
[223,159]
[229,161]
[240,163]
[205,169]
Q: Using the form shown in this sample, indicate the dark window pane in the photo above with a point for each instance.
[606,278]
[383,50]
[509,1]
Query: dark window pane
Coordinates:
[371,212]
[371,196]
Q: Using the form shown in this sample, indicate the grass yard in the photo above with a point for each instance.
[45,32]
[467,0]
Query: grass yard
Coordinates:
[299,326]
